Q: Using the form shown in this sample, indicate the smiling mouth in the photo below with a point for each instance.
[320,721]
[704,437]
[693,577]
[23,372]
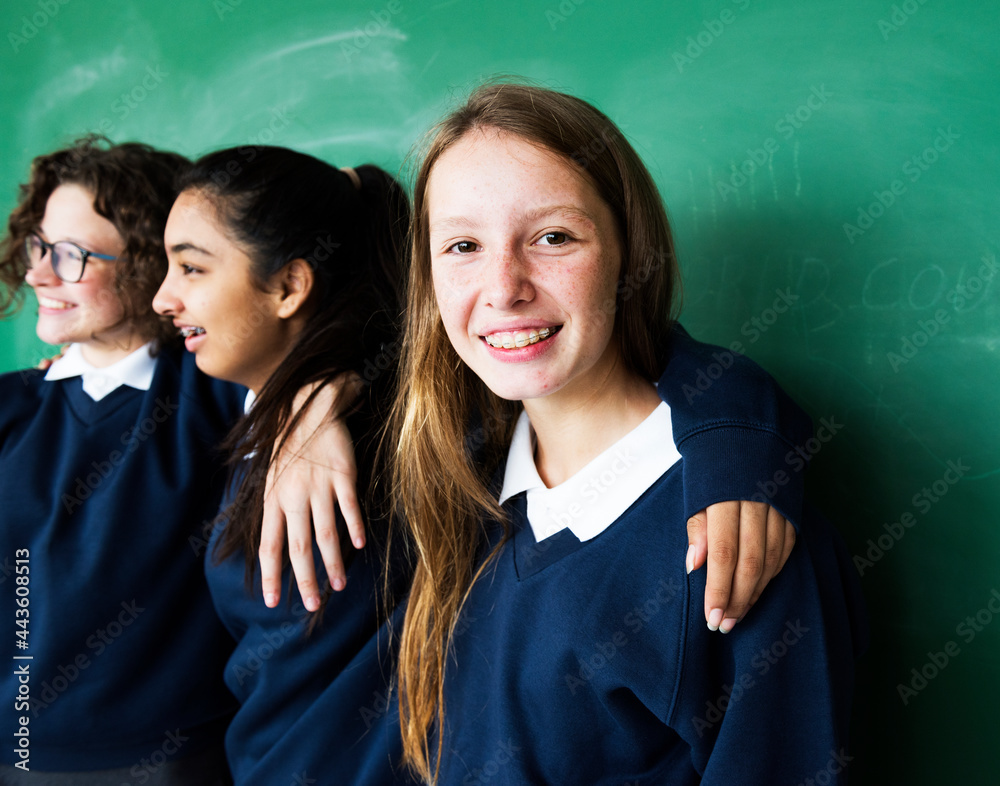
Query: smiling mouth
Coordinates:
[520,338]
[61,305]
[189,331]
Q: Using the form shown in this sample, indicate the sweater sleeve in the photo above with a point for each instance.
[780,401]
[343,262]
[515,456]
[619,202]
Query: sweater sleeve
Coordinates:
[740,434]
[771,700]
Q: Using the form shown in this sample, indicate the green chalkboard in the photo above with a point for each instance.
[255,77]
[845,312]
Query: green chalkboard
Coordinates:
[831,170]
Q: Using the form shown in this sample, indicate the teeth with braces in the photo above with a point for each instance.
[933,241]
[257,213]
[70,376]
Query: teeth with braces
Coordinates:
[187,332]
[519,339]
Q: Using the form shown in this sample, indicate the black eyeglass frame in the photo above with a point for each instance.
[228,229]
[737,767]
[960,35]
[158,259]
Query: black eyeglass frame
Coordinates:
[50,248]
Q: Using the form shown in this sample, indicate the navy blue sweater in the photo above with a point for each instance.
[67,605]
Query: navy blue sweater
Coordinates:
[741,436]
[592,663]
[315,706]
[109,500]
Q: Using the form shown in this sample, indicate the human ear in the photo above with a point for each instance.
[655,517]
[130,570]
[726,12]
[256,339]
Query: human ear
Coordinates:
[293,286]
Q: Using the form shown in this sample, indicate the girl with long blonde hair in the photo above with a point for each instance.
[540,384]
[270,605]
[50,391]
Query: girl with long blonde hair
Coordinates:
[549,637]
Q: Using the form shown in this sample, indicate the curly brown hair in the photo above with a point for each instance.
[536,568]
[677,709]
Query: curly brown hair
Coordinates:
[134,186]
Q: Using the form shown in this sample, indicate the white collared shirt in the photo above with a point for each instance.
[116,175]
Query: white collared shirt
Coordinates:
[596,496]
[135,370]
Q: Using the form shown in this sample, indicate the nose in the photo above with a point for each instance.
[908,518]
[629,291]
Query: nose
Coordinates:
[508,279]
[165,301]
[41,273]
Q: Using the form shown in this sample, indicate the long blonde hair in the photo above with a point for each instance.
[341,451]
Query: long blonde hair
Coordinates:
[449,433]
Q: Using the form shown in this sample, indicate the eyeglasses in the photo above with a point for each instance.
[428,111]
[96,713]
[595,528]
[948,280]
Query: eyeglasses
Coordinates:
[68,260]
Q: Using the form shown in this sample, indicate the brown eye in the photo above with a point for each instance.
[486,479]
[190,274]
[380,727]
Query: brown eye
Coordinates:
[465,247]
[555,238]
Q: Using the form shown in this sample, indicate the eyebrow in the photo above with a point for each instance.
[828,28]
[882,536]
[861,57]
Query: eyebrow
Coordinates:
[566,210]
[84,244]
[463,222]
[454,222]
[178,248]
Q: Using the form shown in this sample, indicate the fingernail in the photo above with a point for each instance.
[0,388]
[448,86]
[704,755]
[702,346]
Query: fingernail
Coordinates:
[338,584]
[359,543]
[714,619]
[727,625]
[270,600]
[312,603]
[690,558]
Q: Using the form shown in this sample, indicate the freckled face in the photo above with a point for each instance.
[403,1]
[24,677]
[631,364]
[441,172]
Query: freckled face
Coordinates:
[85,312]
[525,259]
[228,322]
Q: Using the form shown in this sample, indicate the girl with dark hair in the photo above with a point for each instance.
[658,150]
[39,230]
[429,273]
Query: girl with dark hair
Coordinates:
[546,613]
[284,274]
[109,476]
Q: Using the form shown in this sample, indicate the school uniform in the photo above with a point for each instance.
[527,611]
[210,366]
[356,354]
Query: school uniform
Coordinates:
[315,705]
[583,655]
[742,437]
[109,481]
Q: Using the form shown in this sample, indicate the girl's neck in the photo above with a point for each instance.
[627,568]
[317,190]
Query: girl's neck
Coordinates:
[571,433]
[105,352]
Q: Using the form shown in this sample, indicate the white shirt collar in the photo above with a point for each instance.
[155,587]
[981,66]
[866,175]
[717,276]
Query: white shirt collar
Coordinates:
[596,496]
[135,370]
[248,401]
